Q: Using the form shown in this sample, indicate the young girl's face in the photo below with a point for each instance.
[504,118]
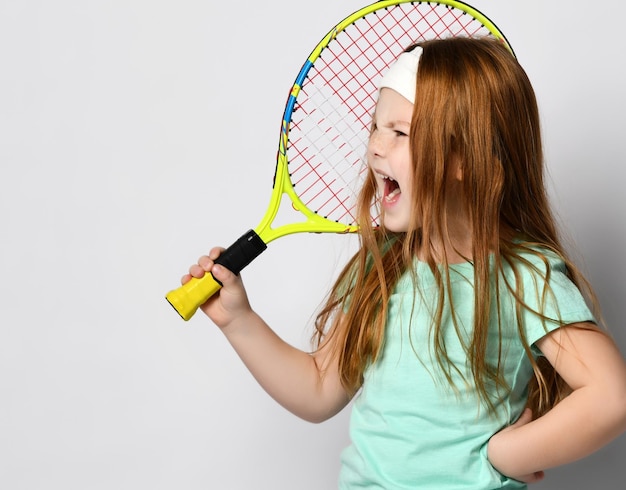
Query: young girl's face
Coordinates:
[389,157]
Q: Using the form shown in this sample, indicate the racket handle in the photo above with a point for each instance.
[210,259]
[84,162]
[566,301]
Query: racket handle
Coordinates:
[187,298]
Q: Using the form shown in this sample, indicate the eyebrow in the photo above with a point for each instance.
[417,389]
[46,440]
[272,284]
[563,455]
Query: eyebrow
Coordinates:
[399,122]
[395,122]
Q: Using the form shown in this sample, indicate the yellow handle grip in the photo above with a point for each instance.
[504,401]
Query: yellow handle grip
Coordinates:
[187,298]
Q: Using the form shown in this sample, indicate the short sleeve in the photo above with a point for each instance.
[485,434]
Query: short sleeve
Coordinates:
[553,304]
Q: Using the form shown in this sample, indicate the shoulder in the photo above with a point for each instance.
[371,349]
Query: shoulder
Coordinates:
[541,280]
[534,270]
[532,261]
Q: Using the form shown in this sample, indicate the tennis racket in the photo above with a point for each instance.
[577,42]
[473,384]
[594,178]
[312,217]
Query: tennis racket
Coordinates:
[325,127]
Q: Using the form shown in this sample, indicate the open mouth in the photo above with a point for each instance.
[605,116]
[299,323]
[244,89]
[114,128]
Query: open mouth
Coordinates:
[391,190]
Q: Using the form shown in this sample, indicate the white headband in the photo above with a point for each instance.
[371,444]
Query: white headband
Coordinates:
[402,74]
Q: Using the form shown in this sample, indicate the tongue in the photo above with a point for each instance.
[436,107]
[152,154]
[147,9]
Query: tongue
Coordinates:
[392,190]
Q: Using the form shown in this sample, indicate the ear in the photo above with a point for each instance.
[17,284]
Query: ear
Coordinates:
[458,174]
[456,167]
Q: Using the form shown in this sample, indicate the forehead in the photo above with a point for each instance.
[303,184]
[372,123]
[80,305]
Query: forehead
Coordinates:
[392,105]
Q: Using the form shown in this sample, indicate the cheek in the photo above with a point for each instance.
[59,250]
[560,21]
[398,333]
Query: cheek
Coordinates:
[369,156]
[407,174]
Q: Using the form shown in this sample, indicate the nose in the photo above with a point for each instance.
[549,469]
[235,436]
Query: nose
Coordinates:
[377,144]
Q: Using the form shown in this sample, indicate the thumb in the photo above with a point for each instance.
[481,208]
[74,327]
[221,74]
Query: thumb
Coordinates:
[222,274]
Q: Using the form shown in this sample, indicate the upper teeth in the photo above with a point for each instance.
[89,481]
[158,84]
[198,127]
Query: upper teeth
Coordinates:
[385,177]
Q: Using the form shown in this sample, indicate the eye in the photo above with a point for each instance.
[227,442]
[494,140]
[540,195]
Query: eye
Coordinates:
[400,133]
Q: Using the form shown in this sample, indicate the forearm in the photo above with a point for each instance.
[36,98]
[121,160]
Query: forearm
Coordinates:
[289,375]
[578,426]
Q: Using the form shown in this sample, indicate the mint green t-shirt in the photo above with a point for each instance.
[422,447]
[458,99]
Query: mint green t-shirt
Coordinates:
[409,429]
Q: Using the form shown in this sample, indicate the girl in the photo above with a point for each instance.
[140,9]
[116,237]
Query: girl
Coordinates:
[459,327]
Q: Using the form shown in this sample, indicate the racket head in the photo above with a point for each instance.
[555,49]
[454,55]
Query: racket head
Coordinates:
[326,123]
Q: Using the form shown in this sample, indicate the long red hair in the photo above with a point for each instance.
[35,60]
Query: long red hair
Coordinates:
[473,99]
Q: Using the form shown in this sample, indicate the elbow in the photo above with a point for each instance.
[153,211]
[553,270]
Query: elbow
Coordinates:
[614,407]
[317,417]
[620,405]
[612,398]
[620,396]
[322,413]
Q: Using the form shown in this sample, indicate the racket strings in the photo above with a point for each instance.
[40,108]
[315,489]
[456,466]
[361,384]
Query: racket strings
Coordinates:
[330,125]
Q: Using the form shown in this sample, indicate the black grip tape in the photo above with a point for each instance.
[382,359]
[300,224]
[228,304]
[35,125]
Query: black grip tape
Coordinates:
[247,248]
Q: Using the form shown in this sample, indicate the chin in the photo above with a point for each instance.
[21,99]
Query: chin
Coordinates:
[395,227]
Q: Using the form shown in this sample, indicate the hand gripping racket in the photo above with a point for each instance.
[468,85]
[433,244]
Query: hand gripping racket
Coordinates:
[325,127]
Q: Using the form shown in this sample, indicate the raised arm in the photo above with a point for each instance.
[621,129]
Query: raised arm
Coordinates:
[306,384]
[590,417]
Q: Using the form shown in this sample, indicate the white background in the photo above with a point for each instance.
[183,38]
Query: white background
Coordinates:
[134,135]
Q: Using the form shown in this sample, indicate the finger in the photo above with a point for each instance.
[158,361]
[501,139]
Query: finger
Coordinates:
[197,271]
[205,262]
[216,252]
[185,279]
